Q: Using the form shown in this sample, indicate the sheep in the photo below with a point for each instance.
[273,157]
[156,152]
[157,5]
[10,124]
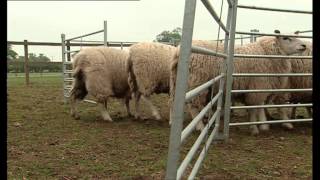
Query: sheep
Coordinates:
[100,72]
[298,66]
[148,68]
[203,67]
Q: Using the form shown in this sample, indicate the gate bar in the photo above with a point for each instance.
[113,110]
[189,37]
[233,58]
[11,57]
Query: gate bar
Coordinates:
[196,146]
[96,32]
[229,66]
[270,56]
[271,106]
[201,50]
[270,122]
[270,75]
[202,88]
[270,90]
[271,34]
[181,88]
[274,9]
[209,7]
[203,153]
[186,132]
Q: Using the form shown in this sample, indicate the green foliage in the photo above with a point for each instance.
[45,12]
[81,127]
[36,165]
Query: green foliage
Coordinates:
[173,36]
[11,54]
[34,66]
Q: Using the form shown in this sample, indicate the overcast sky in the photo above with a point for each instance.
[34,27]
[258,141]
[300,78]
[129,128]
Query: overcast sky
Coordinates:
[138,20]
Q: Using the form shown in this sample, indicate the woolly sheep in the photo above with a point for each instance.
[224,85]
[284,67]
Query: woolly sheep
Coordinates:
[298,66]
[100,72]
[149,71]
[211,65]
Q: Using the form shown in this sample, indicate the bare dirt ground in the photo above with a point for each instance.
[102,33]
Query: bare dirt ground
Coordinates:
[44,142]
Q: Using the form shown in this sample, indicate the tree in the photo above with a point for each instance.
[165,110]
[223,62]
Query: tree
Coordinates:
[173,36]
[11,54]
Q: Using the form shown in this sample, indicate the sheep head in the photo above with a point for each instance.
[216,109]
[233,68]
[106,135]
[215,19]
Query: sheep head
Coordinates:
[290,45]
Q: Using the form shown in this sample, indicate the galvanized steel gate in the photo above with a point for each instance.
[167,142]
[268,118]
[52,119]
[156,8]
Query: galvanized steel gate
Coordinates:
[177,135]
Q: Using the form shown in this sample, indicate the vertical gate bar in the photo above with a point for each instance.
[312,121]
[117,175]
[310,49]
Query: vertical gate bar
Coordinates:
[180,91]
[68,58]
[63,46]
[230,71]
[105,37]
[68,49]
[220,136]
[26,62]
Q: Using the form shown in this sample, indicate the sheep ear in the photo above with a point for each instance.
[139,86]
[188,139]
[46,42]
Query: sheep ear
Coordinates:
[277,32]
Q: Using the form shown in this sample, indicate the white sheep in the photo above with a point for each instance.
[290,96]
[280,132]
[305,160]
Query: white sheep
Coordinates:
[100,72]
[204,67]
[298,66]
[149,71]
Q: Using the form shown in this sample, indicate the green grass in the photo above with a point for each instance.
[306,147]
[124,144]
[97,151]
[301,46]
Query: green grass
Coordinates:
[44,142]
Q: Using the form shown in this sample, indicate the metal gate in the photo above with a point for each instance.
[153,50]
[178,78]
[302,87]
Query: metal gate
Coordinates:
[179,135]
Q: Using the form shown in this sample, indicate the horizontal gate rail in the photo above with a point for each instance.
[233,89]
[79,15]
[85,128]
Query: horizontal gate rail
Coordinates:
[272,34]
[203,153]
[194,92]
[270,56]
[72,51]
[270,90]
[271,106]
[270,74]
[186,132]
[201,50]
[209,7]
[270,122]
[96,32]
[68,72]
[274,9]
[195,146]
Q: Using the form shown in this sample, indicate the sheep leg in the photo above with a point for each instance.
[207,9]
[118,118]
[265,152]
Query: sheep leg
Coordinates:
[194,112]
[154,110]
[104,112]
[126,101]
[73,104]
[262,118]
[309,111]
[253,118]
[293,112]
[284,115]
[136,97]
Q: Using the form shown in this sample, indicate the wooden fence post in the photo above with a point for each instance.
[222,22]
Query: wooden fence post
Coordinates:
[26,61]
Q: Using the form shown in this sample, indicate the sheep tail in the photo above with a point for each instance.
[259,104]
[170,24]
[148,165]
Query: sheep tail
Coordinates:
[173,74]
[78,90]
[131,76]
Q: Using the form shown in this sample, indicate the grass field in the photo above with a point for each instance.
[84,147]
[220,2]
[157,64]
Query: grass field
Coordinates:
[44,142]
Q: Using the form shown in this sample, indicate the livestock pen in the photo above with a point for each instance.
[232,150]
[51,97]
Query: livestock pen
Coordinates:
[45,142]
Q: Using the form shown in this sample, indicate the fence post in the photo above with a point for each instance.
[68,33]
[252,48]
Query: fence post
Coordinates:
[253,38]
[26,61]
[105,37]
[180,91]
[63,47]
[230,70]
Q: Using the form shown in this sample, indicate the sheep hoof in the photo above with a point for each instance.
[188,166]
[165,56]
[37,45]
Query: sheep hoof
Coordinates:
[199,126]
[75,116]
[264,127]
[288,126]
[130,115]
[158,117]
[254,130]
[107,119]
